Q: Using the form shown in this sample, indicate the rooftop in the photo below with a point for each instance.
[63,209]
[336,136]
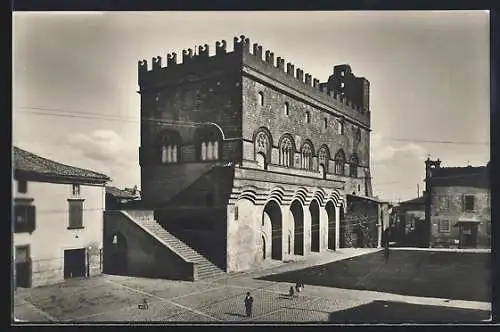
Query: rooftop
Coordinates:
[27,164]
[468,176]
[416,201]
[120,193]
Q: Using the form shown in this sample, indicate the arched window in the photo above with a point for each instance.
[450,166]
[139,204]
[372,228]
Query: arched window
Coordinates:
[263,145]
[169,144]
[208,143]
[324,157]
[260,96]
[307,156]
[287,152]
[340,162]
[353,167]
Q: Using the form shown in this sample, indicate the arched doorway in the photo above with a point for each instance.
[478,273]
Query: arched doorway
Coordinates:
[118,258]
[314,210]
[273,211]
[342,227]
[298,221]
[330,210]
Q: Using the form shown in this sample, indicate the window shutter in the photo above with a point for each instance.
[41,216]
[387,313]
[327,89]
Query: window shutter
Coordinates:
[75,214]
[31,218]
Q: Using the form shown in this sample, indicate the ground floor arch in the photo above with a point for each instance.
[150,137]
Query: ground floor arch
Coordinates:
[330,211]
[118,254]
[342,228]
[298,222]
[273,212]
[315,229]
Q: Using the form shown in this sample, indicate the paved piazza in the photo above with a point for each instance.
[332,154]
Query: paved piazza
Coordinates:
[108,298]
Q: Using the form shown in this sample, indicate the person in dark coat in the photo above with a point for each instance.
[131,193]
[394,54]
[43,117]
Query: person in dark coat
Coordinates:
[248,304]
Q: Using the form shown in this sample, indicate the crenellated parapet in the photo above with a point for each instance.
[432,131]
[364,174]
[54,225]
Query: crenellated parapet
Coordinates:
[342,90]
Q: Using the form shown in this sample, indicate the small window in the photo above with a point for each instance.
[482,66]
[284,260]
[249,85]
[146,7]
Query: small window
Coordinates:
[75,214]
[157,97]
[357,133]
[76,190]
[444,226]
[469,203]
[287,109]
[308,117]
[24,218]
[341,127]
[342,85]
[261,98]
[22,186]
[325,123]
[342,73]
[359,187]
[236,213]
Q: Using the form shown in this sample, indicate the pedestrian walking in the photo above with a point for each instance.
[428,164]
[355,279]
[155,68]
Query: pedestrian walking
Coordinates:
[386,252]
[291,292]
[297,287]
[248,304]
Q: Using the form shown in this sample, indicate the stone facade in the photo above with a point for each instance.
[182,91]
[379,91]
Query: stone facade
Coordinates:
[449,209]
[247,160]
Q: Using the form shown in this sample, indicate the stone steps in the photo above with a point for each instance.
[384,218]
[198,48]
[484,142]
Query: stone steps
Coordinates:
[206,269]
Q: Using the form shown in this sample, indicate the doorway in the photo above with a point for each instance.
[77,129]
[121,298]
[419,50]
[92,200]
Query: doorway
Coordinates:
[468,235]
[74,263]
[315,236]
[23,267]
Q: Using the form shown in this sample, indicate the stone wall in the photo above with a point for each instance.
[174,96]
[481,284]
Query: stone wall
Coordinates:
[146,256]
[359,228]
[447,204]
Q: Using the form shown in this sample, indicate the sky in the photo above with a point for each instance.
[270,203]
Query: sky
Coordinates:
[75,81]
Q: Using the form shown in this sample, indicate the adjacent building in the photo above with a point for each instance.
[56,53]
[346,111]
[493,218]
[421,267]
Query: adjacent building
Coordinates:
[57,223]
[459,206]
[408,220]
[118,198]
[249,159]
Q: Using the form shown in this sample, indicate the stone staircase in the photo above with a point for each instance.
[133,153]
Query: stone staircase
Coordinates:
[205,268]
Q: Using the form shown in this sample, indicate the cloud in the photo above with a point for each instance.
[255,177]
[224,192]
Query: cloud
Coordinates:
[102,145]
[382,151]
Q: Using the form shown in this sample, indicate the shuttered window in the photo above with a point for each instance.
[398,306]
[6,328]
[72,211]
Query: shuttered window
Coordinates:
[24,218]
[468,202]
[75,214]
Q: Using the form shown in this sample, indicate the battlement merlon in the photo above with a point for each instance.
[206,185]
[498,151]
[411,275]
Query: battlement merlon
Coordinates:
[348,90]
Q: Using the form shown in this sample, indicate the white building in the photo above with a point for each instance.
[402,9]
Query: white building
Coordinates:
[57,220]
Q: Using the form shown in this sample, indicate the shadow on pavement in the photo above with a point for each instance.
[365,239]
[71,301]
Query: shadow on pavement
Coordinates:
[449,275]
[400,312]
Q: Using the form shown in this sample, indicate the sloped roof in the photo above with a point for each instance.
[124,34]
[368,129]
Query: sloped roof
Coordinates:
[461,176]
[119,193]
[415,201]
[27,163]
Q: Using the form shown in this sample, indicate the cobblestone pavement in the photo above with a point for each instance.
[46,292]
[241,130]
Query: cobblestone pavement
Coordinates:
[109,298]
